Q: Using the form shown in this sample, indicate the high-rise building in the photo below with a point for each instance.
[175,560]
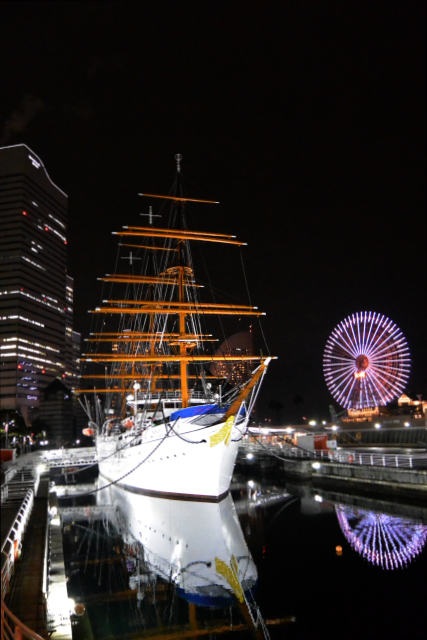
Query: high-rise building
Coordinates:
[72,339]
[235,371]
[35,310]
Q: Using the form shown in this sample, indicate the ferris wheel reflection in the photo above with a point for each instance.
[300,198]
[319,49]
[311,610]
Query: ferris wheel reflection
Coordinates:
[391,542]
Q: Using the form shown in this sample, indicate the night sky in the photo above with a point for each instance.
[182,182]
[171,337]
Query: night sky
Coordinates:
[305,119]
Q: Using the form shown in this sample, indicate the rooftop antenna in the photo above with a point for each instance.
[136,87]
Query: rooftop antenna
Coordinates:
[178,159]
[151,215]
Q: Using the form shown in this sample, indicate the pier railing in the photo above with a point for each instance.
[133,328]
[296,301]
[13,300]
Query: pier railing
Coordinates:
[345,456]
[14,629]
[11,547]
[18,495]
[405,461]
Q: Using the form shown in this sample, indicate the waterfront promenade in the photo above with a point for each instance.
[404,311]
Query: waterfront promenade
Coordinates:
[376,471]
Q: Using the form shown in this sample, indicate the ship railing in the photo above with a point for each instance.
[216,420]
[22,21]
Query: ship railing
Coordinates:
[168,396]
[345,456]
[12,544]
[13,629]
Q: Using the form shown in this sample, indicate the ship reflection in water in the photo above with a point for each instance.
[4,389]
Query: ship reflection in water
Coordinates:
[180,565]
[387,541]
[146,567]
[197,546]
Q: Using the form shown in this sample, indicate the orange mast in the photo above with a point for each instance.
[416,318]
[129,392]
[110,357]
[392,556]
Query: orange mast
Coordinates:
[182,341]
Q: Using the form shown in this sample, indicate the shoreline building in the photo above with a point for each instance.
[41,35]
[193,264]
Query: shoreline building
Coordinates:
[72,340]
[36,337]
[57,414]
[238,371]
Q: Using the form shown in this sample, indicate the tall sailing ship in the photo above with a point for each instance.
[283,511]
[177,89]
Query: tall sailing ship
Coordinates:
[165,426]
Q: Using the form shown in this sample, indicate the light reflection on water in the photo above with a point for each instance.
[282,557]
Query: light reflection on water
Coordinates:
[387,541]
[145,566]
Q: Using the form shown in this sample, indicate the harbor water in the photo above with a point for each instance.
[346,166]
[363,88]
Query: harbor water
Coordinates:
[272,560]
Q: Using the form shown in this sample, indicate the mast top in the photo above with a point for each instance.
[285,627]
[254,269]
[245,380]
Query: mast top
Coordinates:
[178,158]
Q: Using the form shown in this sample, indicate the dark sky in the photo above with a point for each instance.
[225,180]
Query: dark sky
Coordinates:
[306,120]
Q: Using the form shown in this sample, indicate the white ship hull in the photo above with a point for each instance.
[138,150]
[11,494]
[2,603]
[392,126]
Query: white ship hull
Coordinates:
[197,463]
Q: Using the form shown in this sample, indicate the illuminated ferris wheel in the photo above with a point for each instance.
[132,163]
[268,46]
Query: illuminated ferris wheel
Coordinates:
[366,361]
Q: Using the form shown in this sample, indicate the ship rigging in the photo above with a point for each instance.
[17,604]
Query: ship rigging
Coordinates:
[152,369]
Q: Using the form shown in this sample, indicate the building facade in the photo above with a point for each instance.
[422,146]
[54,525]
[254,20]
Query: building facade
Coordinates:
[72,339]
[57,414]
[36,338]
[238,371]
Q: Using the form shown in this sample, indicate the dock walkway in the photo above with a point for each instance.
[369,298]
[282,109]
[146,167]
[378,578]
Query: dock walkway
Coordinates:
[24,512]
[26,598]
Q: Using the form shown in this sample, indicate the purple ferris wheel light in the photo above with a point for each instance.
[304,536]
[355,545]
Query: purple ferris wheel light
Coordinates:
[366,361]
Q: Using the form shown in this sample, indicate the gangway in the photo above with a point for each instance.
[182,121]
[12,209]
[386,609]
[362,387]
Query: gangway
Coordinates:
[63,458]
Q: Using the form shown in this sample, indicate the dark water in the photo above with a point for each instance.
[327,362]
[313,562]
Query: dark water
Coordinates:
[262,564]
